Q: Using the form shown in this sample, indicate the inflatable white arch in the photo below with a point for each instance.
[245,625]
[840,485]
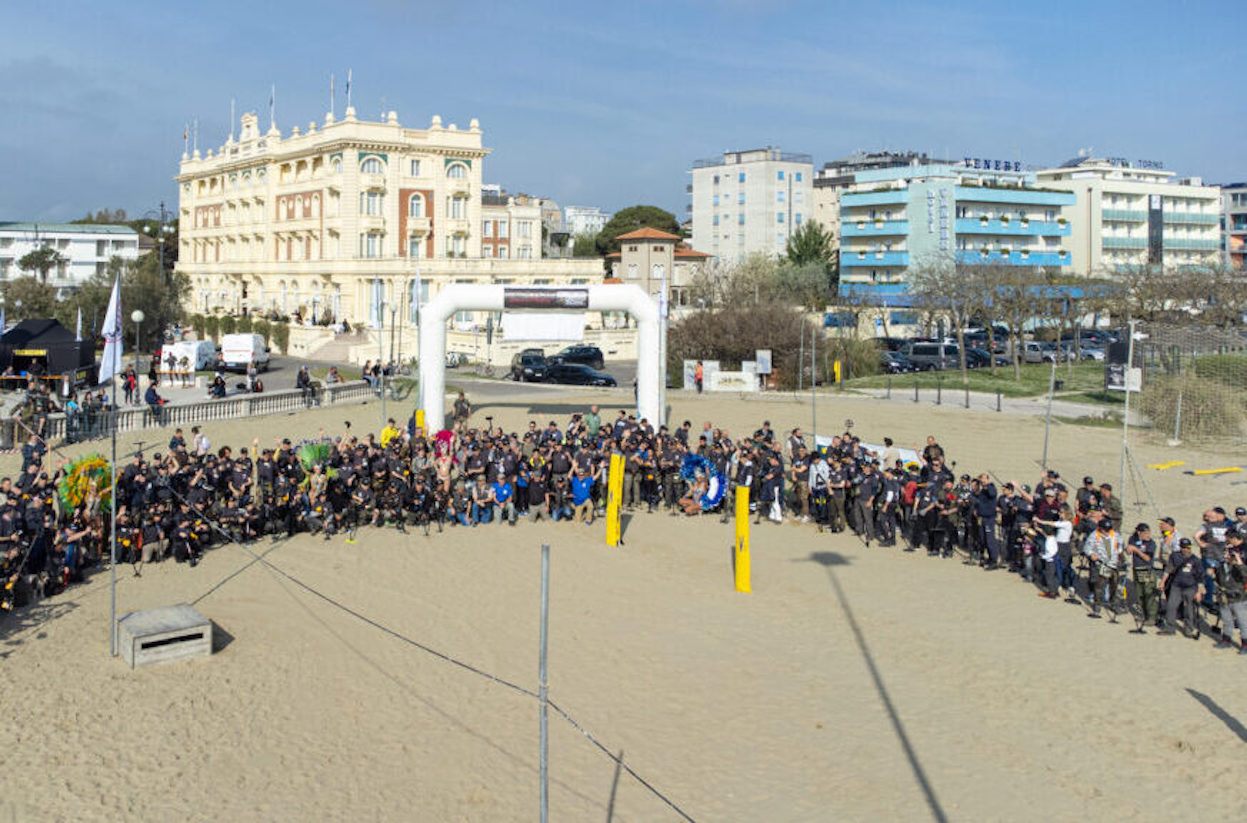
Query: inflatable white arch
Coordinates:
[479,297]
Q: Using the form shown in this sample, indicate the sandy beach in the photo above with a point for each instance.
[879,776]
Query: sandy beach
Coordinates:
[854,683]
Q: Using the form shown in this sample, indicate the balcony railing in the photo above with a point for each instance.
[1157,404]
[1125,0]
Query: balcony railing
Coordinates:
[1194,217]
[854,227]
[1191,244]
[1013,226]
[1124,215]
[1124,242]
[854,257]
[1014,258]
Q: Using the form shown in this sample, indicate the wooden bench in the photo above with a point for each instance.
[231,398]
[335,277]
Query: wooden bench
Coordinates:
[163,635]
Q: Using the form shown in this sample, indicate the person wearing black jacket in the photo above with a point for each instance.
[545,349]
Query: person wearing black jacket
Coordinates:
[984,497]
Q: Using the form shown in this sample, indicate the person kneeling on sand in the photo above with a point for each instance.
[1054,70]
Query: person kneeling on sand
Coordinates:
[691,501]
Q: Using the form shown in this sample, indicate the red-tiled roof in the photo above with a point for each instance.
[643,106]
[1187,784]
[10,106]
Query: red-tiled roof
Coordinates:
[648,234]
[685,251]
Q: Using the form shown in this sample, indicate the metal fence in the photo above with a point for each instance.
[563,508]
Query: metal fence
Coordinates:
[88,426]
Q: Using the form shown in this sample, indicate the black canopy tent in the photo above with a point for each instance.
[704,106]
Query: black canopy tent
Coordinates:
[47,346]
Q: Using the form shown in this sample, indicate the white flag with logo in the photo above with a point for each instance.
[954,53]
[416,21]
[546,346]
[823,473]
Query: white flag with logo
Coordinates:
[111,362]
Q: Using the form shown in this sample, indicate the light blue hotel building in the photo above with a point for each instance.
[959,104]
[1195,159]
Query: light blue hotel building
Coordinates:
[899,217]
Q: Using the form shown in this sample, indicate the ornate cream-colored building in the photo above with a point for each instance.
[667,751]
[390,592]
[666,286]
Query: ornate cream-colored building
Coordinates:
[339,217]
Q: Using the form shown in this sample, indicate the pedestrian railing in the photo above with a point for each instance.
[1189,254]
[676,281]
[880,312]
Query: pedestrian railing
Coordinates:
[86,425]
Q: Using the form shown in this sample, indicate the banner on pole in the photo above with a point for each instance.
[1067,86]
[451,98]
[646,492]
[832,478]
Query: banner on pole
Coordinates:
[741,555]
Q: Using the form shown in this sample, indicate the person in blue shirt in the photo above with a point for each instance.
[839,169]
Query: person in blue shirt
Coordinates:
[582,497]
[154,403]
[504,499]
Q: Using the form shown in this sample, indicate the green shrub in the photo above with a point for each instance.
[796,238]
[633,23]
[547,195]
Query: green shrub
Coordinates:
[212,327]
[243,324]
[262,327]
[228,324]
[281,336]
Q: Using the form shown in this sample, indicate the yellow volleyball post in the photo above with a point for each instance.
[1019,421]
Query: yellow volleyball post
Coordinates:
[420,419]
[835,371]
[614,491]
[742,540]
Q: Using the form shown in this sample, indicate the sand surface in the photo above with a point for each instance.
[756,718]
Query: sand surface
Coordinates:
[853,684]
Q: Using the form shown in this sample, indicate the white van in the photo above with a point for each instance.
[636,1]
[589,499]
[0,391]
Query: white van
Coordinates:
[199,354]
[239,350]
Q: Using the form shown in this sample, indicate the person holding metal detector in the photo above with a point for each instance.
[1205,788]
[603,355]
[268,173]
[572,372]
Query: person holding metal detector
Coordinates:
[1184,588]
[1103,551]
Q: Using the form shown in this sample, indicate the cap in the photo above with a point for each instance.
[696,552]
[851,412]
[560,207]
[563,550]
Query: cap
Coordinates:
[1049,492]
[1105,524]
[1184,543]
[1168,520]
[1240,511]
[1143,527]
[1088,479]
[1219,510]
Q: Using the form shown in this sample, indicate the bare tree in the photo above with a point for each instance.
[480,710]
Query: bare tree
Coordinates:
[952,290]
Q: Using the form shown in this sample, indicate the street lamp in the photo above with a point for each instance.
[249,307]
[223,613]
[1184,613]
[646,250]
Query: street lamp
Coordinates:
[137,316]
[161,232]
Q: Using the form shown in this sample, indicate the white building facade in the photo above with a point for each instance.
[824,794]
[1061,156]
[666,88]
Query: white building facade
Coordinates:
[86,249]
[749,202]
[584,220]
[341,217]
[1135,213]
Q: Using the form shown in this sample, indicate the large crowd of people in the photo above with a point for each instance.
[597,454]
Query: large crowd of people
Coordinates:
[1068,541]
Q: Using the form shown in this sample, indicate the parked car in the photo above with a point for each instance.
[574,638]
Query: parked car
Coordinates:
[932,356]
[1090,353]
[893,362]
[590,356]
[527,367]
[577,374]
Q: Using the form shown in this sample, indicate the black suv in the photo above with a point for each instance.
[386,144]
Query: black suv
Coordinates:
[527,366]
[590,356]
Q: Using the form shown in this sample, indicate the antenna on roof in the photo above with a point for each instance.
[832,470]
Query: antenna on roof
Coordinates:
[332,100]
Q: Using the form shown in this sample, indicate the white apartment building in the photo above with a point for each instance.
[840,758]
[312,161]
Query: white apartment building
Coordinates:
[341,216]
[838,176]
[584,220]
[749,202]
[86,249]
[1135,213]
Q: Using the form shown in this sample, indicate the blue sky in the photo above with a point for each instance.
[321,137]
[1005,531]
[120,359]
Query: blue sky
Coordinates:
[608,104]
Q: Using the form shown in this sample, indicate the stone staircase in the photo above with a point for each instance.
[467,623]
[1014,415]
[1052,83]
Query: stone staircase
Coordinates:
[338,349]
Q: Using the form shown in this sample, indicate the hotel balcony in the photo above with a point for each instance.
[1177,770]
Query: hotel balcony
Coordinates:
[866,227]
[1012,196]
[1123,242]
[458,225]
[1124,215]
[874,198]
[853,257]
[1193,217]
[419,225]
[1014,258]
[1192,244]
[1013,226]
[372,182]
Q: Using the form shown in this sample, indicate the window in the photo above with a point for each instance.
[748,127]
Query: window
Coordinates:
[457,171]
[740,199]
[371,203]
[779,196]
[798,177]
[740,219]
[487,228]
[370,244]
[799,196]
[525,228]
[415,246]
[716,179]
[797,218]
[714,201]
[740,178]
[502,252]
[716,220]
[371,165]
[781,174]
[525,252]
[632,271]
[487,250]
[415,168]
[779,217]
[415,206]
[458,207]
[416,299]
